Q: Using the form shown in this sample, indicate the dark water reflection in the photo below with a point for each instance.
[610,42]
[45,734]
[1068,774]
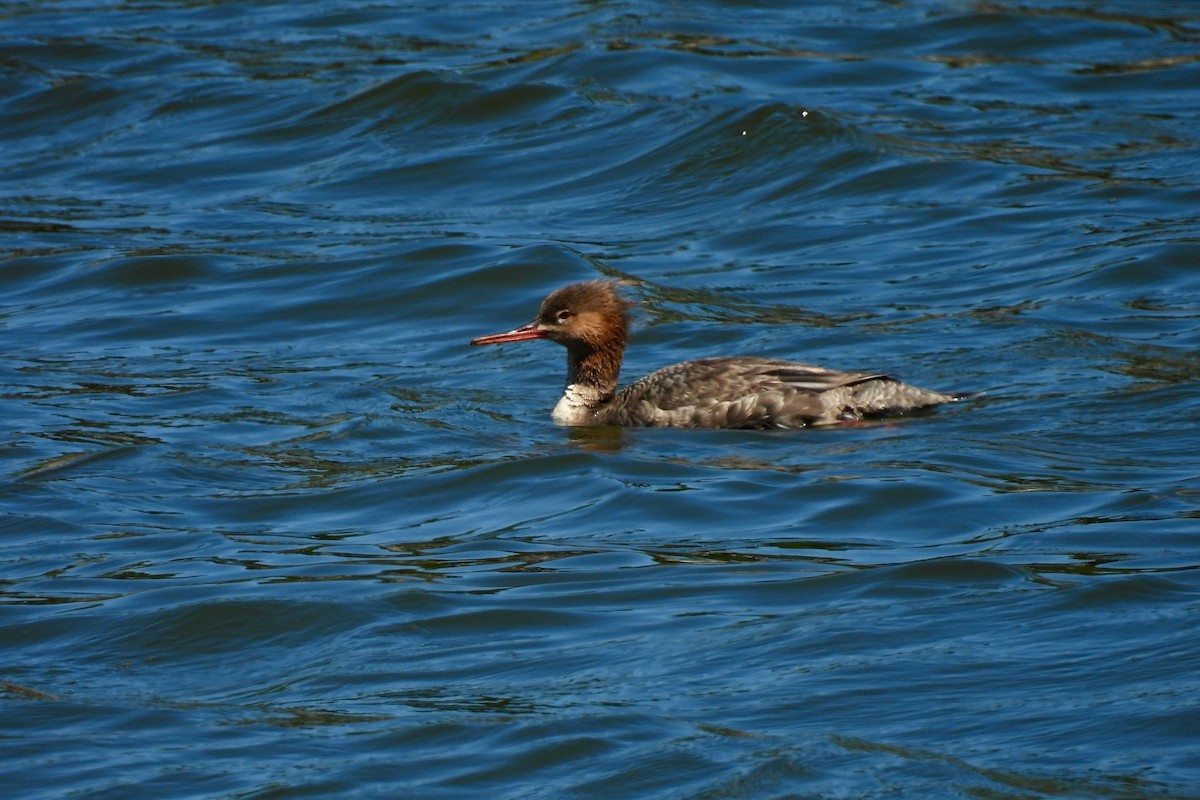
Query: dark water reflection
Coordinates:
[271,529]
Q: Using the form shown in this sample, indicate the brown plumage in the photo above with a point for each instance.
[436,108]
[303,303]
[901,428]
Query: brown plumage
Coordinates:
[592,321]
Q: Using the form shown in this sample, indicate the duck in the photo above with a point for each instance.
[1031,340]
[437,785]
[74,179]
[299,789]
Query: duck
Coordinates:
[592,319]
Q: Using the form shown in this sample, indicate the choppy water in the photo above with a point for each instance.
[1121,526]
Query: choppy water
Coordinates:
[272,530]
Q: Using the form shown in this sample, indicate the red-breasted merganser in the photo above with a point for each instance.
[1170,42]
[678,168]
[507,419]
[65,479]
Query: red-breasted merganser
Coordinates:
[592,321]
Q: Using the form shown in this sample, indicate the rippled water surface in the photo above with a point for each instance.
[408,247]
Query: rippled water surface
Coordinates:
[271,529]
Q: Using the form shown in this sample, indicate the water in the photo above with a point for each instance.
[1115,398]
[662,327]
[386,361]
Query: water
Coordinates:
[273,530]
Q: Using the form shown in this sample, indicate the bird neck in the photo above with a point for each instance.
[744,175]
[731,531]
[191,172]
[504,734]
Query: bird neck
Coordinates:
[592,374]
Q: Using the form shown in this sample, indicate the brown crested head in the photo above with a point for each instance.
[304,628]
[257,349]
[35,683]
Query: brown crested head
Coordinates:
[591,315]
[591,320]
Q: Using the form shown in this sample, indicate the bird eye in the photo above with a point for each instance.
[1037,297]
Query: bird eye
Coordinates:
[563,315]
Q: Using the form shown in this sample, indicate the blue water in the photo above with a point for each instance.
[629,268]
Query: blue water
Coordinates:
[271,529]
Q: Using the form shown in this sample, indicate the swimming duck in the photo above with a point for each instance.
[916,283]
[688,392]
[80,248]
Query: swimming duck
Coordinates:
[591,320]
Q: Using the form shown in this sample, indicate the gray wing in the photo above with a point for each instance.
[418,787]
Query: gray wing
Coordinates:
[736,393]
